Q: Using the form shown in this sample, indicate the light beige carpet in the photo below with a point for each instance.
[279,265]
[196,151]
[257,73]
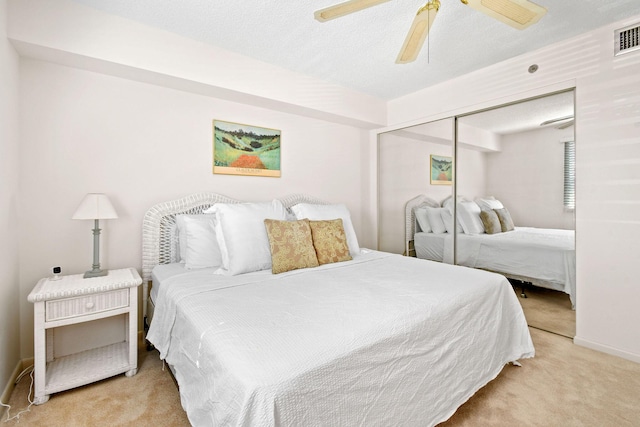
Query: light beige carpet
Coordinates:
[564,385]
[150,398]
[548,310]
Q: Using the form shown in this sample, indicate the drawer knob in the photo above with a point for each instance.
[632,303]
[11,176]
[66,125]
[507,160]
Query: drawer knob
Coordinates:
[89,305]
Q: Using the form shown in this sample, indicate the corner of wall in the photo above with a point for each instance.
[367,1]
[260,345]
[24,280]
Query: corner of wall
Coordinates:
[9,173]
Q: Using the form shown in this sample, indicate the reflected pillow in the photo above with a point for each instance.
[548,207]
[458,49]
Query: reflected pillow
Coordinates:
[505,219]
[447,202]
[435,220]
[447,220]
[291,245]
[488,203]
[469,217]
[330,241]
[423,219]
[491,222]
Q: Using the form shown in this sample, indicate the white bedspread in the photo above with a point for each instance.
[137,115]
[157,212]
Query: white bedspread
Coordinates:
[547,257]
[381,340]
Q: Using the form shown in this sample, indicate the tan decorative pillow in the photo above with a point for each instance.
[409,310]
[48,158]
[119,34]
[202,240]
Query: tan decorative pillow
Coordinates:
[490,221]
[505,219]
[291,245]
[330,241]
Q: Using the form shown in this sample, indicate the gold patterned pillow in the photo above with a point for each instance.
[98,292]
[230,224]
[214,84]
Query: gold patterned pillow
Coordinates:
[505,219]
[330,241]
[291,245]
[490,221]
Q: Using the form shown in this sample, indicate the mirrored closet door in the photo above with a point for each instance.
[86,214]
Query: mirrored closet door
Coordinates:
[516,159]
[523,169]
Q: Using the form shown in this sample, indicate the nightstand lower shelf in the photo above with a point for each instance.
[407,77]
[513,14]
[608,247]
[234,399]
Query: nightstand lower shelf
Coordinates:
[87,367]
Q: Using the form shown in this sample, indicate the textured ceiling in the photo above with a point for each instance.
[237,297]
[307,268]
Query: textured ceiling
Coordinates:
[523,116]
[358,51]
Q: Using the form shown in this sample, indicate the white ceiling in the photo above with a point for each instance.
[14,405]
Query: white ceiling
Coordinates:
[358,51]
[523,116]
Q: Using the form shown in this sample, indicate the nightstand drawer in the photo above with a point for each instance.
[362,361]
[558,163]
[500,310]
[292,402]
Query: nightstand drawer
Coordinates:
[86,304]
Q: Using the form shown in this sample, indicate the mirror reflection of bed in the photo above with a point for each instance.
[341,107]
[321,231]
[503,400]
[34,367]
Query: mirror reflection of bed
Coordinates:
[503,154]
[540,262]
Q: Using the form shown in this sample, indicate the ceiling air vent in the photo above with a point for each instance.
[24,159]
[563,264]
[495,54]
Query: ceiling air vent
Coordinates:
[627,39]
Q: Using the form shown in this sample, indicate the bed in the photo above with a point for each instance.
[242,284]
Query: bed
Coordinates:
[542,257]
[379,339]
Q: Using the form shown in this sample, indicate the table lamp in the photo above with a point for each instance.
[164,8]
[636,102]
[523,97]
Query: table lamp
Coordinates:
[95,206]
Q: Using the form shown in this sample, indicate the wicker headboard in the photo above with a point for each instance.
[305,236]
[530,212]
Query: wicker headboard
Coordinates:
[158,225]
[410,216]
[158,228]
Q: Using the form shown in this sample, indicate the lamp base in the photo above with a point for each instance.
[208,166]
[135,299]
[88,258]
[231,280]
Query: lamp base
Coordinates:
[95,273]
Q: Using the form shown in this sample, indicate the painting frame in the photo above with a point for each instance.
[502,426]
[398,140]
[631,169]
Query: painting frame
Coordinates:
[440,170]
[242,149]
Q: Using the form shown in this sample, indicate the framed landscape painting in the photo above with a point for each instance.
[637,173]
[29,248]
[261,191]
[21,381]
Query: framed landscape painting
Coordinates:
[441,170]
[240,149]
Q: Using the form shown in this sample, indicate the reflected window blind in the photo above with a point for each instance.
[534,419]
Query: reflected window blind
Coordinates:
[570,175]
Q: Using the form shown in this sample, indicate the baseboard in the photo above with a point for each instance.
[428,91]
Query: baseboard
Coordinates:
[606,349]
[11,385]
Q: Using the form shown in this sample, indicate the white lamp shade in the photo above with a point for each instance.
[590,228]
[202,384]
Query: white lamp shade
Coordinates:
[95,206]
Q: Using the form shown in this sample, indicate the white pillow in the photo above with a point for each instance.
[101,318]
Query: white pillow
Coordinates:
[435,220]
[447,202]
[326,212]
[469,217]
[182,233]
[447,219]
[423,220]
[488,203]
[242,236]
[201,246]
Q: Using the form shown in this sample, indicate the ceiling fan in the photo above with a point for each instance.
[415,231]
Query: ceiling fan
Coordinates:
[561,122]
[517,13]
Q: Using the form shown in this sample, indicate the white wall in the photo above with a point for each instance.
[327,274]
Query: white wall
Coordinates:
[68,33]
[142,144]
[607,160]
[528,177]
[9,306]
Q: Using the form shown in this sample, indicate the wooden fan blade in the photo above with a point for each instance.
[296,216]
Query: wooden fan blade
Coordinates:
[341,9]
[519,14]
[418,32]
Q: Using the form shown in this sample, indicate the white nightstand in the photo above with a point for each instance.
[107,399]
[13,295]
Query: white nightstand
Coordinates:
[71,300]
